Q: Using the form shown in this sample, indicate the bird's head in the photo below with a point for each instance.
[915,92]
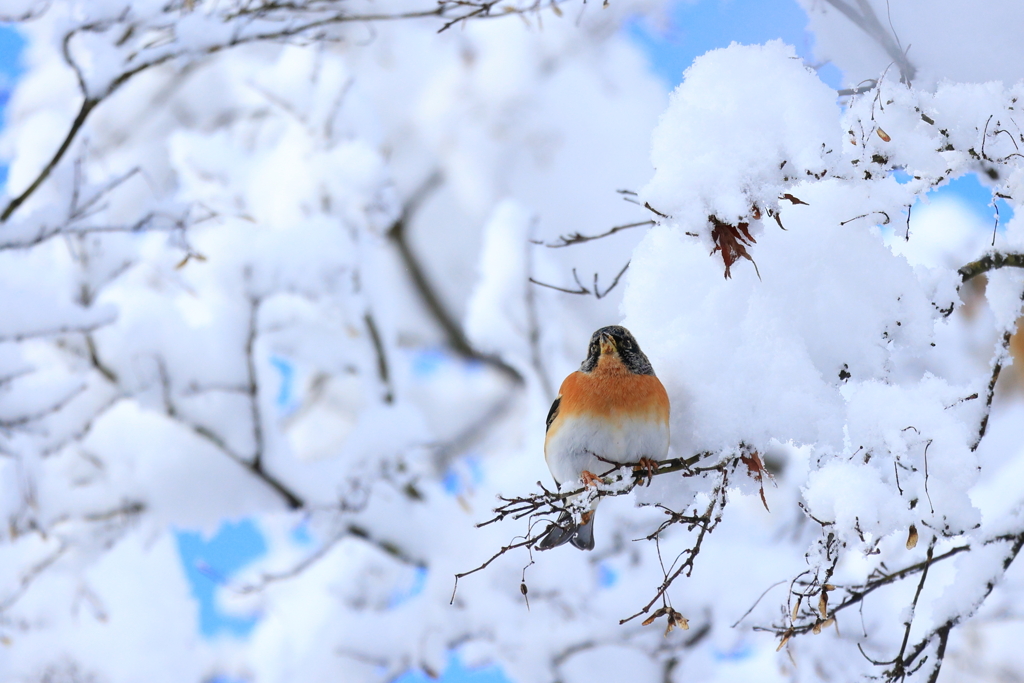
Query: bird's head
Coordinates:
[616,343]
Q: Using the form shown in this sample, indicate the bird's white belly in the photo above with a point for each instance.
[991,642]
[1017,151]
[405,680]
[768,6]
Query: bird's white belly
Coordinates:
[576,445]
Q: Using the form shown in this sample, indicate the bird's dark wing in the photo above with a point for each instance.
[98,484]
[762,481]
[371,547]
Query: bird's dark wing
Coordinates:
[552,414]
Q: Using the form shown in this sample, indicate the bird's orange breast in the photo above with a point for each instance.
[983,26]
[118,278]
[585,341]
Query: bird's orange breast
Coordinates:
[613,393]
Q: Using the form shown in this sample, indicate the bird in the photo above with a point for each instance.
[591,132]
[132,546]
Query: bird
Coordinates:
[611,411]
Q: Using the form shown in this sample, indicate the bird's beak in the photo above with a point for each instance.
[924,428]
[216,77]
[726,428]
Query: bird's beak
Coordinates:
[608,344]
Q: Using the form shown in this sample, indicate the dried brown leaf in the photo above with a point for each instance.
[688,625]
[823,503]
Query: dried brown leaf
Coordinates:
[732,241]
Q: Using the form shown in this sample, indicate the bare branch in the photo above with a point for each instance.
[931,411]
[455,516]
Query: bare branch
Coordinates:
[268,11]
[618,483]
[577,238]
[382,359]
[991,261]
[253,465]
[88,104]
[27,579]
[56,407]
[867,21]
[856,594]
[57,331]
[583,289]
[398,233]
[252,385]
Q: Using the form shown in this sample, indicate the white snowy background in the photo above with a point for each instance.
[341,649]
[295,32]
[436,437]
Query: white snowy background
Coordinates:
[271,338]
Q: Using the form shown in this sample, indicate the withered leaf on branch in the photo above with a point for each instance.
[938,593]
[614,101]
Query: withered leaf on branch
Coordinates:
[732,241]
[756,470]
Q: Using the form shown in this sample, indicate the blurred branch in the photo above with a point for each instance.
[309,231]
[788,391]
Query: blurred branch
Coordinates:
[94,360]
[866,19]
[868,85]
[534,332]
[299,19]
[351,530]
[251,382]
[56,407]
[27,579]
[55,331]
[398,233]
[84,430]
[146,223]
[382,359]
[253,465]
[465,439]
[88,104]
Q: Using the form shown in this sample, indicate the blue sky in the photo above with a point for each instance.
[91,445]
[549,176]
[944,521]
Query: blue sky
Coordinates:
[694,28]
[10,49]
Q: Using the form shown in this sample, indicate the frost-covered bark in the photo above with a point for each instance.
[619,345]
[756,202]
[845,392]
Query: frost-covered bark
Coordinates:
[281,261]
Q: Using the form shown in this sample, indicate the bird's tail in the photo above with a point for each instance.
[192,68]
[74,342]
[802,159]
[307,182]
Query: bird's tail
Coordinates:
[565,530]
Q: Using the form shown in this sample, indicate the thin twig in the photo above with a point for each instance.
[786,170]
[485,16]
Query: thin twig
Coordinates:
[576,238]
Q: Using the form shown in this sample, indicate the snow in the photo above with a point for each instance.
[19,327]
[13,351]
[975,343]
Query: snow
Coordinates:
[208,314]
[739,113]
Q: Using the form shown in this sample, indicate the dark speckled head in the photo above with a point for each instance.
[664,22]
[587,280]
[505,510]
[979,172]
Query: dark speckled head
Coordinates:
[617,339]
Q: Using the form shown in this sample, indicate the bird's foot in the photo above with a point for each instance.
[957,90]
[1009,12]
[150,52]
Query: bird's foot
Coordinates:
[647,465]
[589,478]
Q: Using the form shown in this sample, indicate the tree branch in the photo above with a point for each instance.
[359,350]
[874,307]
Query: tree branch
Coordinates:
[577,238]
[548,503]
[471,9]
[583,289]
[867,21]
[398,234]
[991,261]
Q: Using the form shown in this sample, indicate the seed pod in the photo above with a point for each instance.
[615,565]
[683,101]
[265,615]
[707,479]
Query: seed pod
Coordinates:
[912,538]
[823,604]
[882,134]
[657,613]
[796,607]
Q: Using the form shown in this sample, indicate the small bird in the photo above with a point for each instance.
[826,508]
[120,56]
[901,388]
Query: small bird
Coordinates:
[613,410]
